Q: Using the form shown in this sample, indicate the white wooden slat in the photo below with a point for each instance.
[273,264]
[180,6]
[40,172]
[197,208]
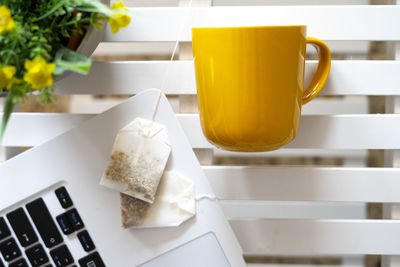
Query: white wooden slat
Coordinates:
[372,131]
[325,131]
[346,48]
[332,153]
[148,3]
[91,104]
[286,236]
[346,78]
[134,49]
[292,210]
[32,129]
[302,265]
[343,105]
[131,78]
[286,2]
[193,3]
[320,105]
[162,50]
[354,22]
[154,50]
[2,154]
[392,158]
[47,126]
[305,183]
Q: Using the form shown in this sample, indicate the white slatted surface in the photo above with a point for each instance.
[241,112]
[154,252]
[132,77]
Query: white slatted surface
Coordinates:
[158,3]
[371,131]
[392,158]
[358,49]
[318,236]
[238,209]
[309,194]
[346,78]
[324,22]
[286,2]
[326,132]
[305,183]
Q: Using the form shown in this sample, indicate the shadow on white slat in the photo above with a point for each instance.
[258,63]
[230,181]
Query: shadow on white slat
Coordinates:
[293,210]
[350,154]
[130,77]
[153,50]
[320,105]
[343,105]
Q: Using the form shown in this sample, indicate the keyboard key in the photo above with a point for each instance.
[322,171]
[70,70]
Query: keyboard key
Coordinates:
[92,260]
[9,249]
[44,223]
[22,227]
[48,265]
[36,255]
[86,241]
[61,256]
[75,219]
[19,263]
[64,224]
[4,231]
[63,197]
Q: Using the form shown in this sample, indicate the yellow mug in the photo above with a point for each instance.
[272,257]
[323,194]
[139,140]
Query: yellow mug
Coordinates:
[250,84]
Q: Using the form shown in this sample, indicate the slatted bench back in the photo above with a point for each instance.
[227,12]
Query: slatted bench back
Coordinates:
[284,210]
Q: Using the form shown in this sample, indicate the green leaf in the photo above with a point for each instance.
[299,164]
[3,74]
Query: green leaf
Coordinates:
[46,96]
[96,21]
[56,7]
[67,59]
[8,108]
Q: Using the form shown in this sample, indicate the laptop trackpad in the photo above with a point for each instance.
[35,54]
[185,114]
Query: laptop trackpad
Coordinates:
[202,251]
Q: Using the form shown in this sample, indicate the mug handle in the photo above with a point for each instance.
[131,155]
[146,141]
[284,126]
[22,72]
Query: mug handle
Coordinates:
[322,73]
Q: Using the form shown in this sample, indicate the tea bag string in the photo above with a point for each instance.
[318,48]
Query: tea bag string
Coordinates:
[205,196]
[167,70]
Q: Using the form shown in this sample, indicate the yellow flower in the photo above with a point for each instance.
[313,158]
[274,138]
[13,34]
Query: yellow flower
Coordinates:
[6,21]
[7,76]
[39,72]
[119,20]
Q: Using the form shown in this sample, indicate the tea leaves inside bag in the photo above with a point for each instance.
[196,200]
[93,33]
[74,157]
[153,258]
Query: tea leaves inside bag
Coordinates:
[174,204]
[139,156]
[133,211]
[139,175]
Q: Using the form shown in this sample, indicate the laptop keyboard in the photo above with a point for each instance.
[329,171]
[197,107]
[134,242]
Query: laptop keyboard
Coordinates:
[30,236]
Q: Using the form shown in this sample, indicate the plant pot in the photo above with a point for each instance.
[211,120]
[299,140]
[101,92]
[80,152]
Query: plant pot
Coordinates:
[87,44]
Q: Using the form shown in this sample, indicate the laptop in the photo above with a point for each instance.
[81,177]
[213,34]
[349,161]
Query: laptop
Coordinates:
[53,212]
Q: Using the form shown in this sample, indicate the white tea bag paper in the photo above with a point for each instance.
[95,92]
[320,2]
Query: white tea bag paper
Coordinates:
[139,155]
[174,204]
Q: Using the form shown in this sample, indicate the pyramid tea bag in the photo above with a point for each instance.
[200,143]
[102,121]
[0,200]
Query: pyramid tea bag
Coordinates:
[139,156]
[175,203]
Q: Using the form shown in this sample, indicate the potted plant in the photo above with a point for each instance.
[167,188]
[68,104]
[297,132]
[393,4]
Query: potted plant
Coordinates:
[42,40]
